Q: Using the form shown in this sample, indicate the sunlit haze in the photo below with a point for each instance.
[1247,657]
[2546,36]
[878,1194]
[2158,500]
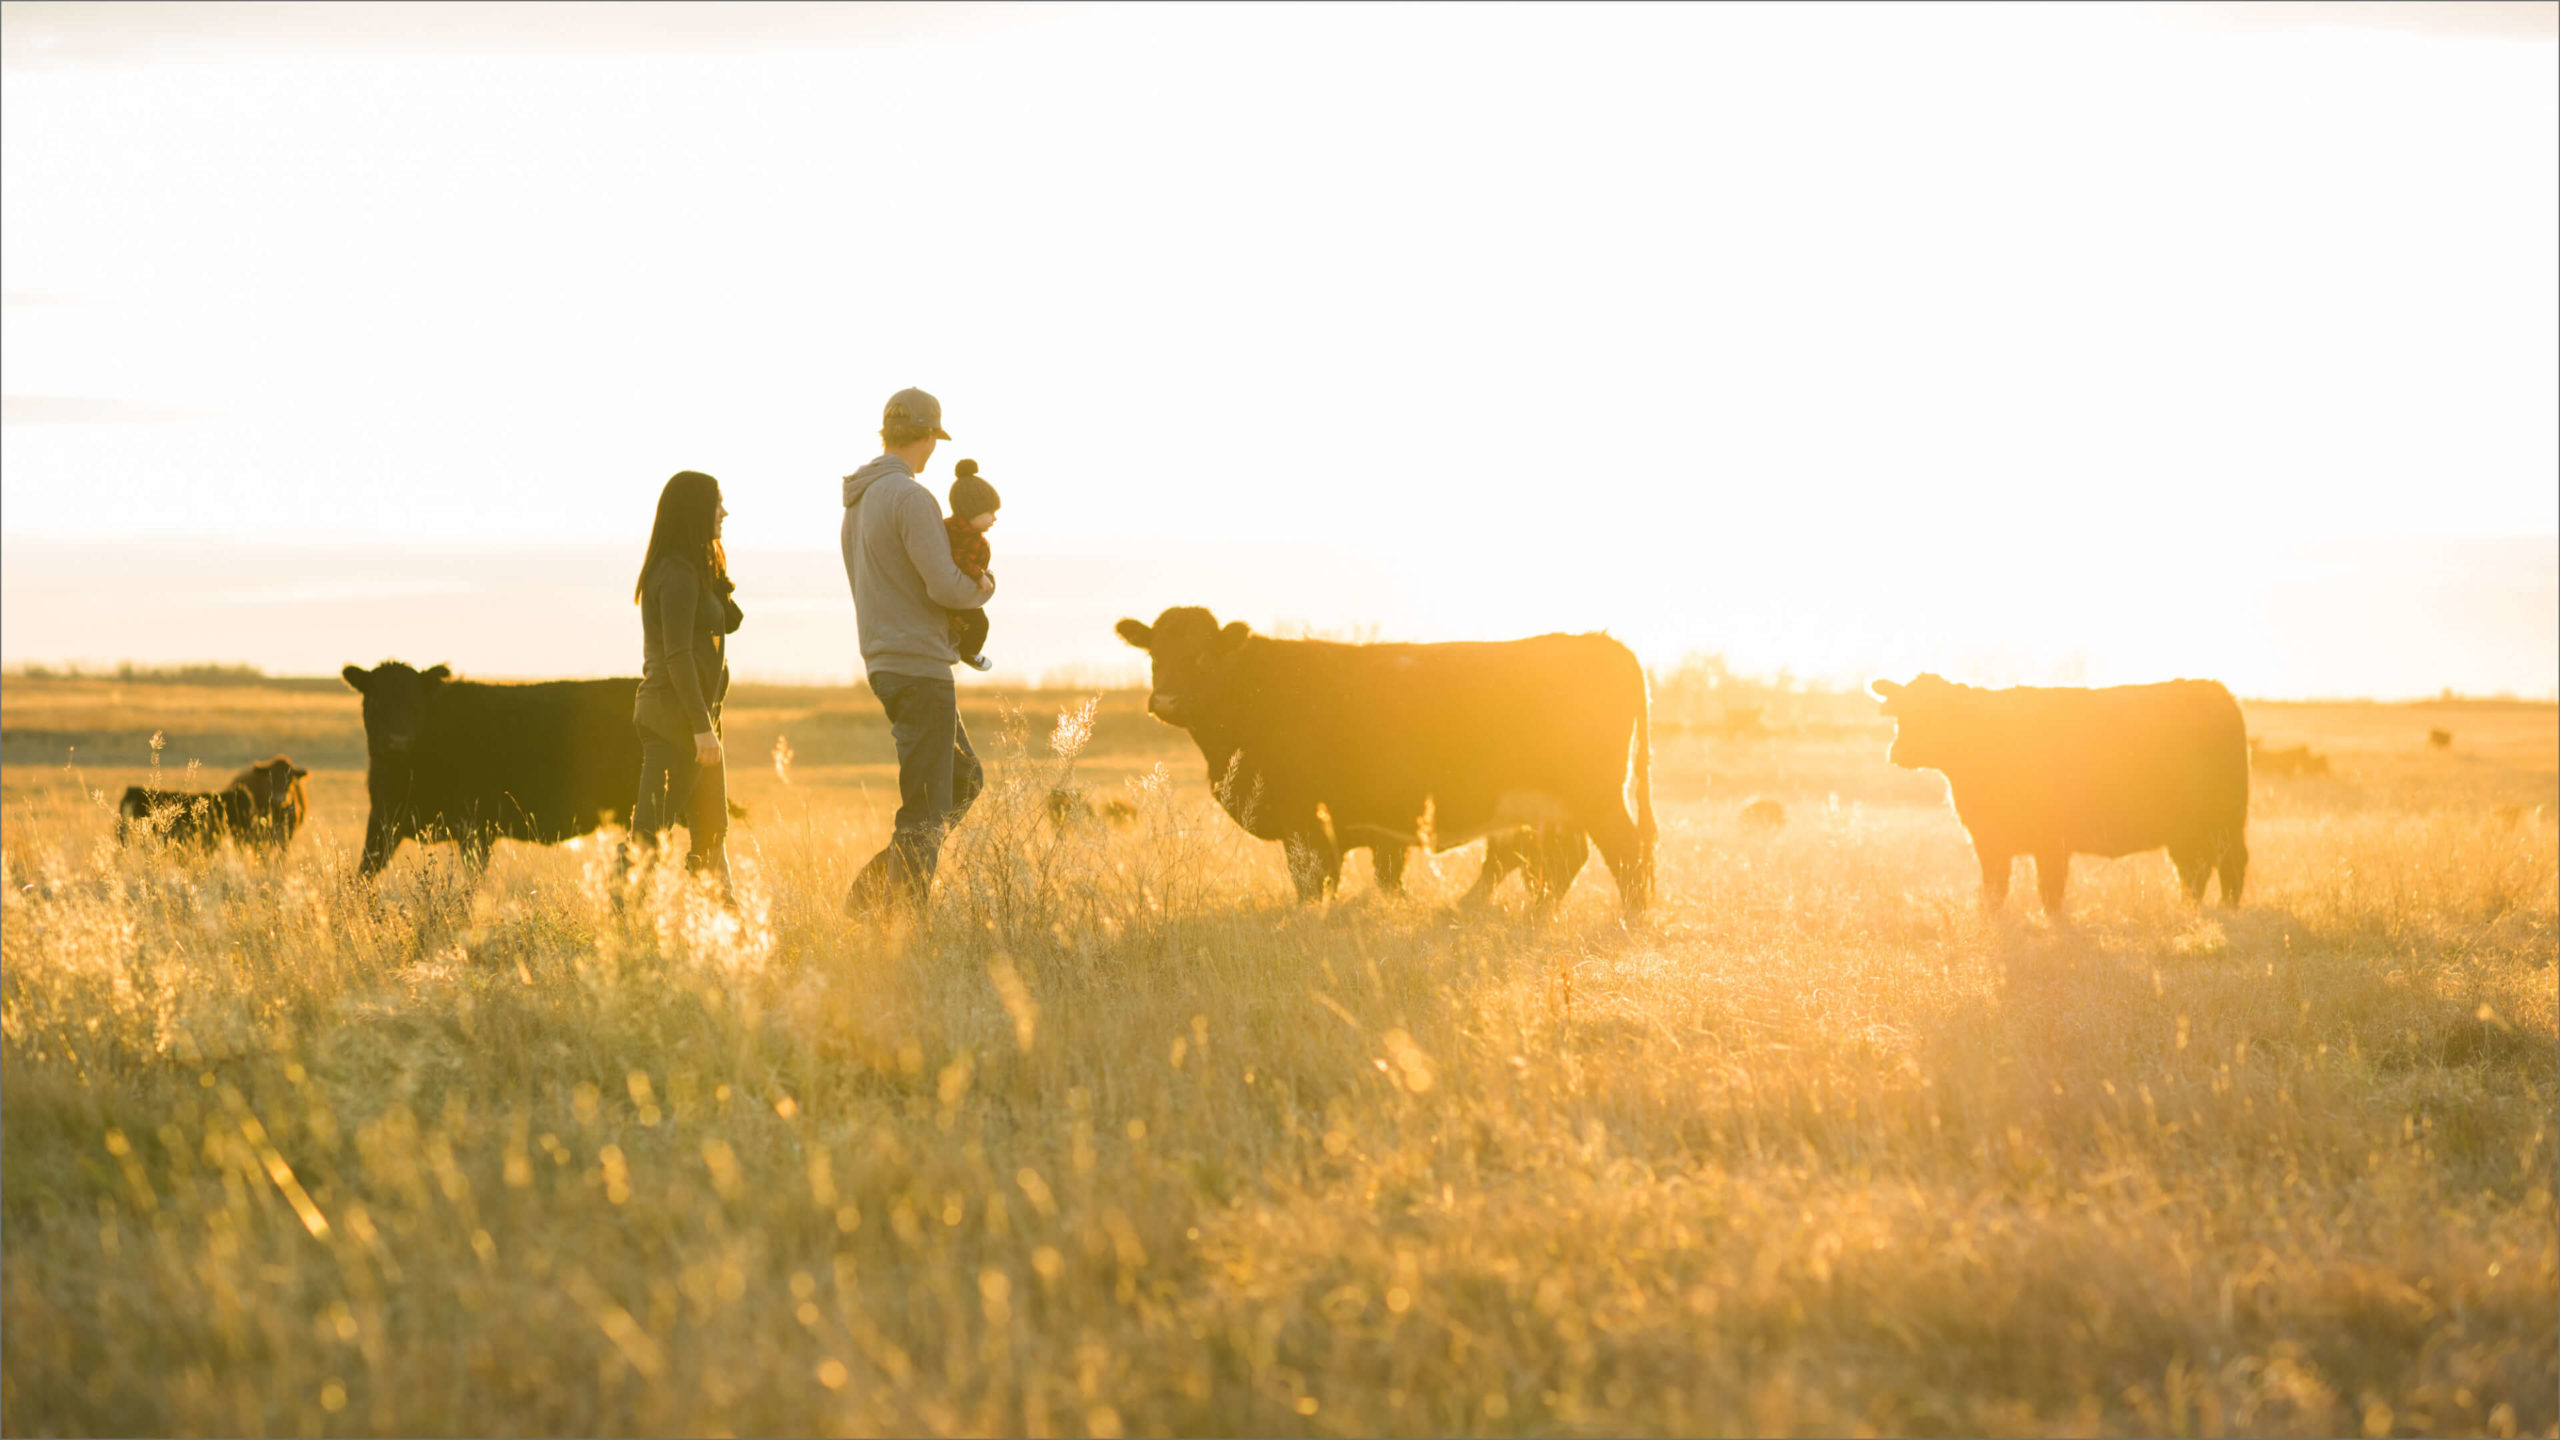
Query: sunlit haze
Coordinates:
[2098,343]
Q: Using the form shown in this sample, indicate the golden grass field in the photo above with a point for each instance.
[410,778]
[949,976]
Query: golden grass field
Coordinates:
[1121,1141]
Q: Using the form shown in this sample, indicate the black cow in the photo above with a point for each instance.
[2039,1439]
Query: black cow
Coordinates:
[457,760]
[262,806]
[1322,746]
[2054,773]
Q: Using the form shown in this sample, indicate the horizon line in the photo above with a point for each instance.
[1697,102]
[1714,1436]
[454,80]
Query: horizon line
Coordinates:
[220,674]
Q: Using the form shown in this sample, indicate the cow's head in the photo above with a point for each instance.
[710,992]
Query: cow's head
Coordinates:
[1933,721]
[275,792]
[270,782]
[395,703]
[1192,656]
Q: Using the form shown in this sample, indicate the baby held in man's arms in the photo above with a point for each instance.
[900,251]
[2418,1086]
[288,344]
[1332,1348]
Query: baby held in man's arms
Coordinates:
[973,513]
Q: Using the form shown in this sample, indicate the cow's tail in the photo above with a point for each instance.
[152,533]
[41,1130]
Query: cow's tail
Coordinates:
[1646,830]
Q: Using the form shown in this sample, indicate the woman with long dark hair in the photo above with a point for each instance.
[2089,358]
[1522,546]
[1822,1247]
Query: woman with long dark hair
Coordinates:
[686,613]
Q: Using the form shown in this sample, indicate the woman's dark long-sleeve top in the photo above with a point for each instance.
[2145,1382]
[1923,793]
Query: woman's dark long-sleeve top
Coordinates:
[684,671]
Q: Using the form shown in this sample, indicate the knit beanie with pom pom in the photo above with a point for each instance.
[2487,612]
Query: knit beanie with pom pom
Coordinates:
[971,497]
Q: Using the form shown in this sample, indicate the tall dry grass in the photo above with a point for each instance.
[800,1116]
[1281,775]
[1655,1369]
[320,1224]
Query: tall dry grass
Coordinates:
[1120,1141]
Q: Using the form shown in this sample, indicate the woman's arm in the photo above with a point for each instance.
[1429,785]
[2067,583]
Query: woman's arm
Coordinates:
[676,593]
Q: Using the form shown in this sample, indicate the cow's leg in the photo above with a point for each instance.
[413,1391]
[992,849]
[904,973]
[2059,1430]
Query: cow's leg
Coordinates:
[1315,865]
[1537,876]
[2233,868]
[1530,848]
[1555,857]
[1995,880]
[2195,866]
[1629,859]
[1387,859]
[381,837]
[2053,874]
[1502,855]
[1561,851]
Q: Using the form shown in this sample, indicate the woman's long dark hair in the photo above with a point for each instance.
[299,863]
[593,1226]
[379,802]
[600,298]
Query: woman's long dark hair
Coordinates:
[687,509]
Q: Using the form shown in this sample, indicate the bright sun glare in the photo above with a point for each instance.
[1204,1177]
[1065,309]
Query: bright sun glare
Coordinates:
[2102,343]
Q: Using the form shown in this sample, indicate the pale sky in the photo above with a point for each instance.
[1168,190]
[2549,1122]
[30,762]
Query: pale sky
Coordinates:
[2075,342]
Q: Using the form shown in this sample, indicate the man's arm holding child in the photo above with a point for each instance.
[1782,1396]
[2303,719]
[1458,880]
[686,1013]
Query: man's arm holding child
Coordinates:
[928,545]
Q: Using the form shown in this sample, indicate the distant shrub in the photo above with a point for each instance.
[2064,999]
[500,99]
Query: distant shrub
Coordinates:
[130,673]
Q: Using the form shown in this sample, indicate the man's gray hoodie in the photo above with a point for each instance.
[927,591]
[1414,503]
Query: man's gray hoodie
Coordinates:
[898,558]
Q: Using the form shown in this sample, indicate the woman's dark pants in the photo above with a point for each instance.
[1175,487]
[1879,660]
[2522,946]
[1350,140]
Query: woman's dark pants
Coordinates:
[938,776]
[674,787]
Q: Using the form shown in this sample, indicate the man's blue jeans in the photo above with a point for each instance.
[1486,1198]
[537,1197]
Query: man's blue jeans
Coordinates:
[938,776]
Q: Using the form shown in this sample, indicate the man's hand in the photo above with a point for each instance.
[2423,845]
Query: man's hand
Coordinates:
[706,748]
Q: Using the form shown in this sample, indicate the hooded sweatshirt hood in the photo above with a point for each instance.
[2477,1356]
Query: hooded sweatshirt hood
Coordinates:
[864,478]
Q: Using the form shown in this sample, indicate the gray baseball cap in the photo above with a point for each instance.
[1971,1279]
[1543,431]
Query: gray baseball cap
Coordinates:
[915,405]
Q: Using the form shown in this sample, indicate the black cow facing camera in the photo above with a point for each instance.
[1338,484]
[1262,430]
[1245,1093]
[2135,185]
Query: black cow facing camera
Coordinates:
[1192,655]
[1328,747]
[395,702]
[2060,772]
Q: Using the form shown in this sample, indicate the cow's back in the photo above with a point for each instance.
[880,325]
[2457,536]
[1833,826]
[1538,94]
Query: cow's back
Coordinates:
[542,762]
[2109,771]
[188,814]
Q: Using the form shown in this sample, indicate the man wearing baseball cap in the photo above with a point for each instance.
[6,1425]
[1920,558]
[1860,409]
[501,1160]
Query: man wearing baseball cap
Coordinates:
[898,558]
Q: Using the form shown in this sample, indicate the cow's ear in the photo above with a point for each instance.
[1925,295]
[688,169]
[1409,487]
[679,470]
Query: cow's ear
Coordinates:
[1885,689]
[441,672]
[1136,633]
[356,677]
[1234,635]
[299,772]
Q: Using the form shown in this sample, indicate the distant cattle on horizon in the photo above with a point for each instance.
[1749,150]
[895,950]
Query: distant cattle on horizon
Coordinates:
[2285,760]
[1327,747]
[2059,772]
[474,763]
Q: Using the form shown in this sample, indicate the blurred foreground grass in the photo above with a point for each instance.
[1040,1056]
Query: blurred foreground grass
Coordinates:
[1121,1142]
